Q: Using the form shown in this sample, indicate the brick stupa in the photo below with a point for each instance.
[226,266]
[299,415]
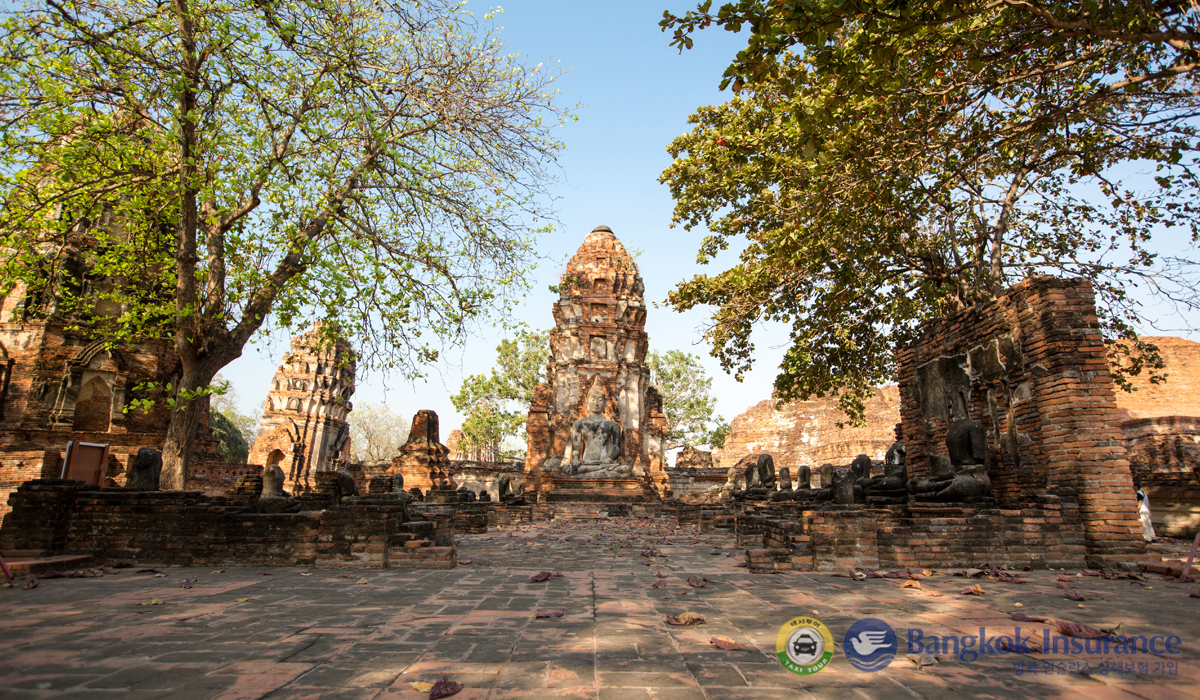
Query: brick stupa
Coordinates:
[598,346]
[304,428]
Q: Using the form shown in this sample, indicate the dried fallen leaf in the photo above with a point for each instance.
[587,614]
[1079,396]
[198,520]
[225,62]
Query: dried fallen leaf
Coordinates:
[973,590]
[543,576]
[695,582]
[686,618]
[1077,629]
[547,612]
[910,584]
[1071,593]
[659,584]
[152,601]
[464,561]
[421,686]
[727,644]
[148,571]
[1022,617]
[242,600]
[219,571]
[30,581]
[306,574]
[1030,645]
[160,575]
[660,574]
[444,688]
[682,591]
[187,583]
[926,572]
[347,575]
[362,581]
[923,659]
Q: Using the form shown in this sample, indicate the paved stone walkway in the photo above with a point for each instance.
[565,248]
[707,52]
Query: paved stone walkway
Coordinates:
[294,633]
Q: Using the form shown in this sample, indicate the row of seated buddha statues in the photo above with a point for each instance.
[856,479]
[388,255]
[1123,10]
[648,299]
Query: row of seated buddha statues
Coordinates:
[959,476]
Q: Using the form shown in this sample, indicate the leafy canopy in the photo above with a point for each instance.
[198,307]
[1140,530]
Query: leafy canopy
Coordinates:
[496,405]
[688,402]
[377,165]
[885,163]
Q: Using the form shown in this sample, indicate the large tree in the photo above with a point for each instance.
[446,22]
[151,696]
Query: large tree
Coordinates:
[497,404]
[885,163]
[377,165]
[688,402]
[376,432]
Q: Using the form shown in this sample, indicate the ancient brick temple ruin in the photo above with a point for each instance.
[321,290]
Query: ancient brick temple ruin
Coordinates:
[808,432]
[64,397]
[1012,453]
[304,428]
[1161,427]
[596,428]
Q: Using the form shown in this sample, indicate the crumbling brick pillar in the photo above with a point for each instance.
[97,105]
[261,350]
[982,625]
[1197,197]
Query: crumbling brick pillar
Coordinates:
[1031,366]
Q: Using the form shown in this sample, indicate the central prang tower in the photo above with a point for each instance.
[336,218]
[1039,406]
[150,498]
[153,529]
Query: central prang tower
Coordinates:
[597,348]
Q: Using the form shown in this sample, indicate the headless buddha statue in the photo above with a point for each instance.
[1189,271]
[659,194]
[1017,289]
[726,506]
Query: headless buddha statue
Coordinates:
[596,440]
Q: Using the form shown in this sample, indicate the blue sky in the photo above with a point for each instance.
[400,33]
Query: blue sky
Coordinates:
[636,94]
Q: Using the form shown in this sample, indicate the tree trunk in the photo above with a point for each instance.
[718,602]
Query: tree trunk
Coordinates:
[185,418]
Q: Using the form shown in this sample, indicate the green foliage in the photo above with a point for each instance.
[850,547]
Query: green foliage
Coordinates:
[496,405]
[688,402]
[232,441]
[885,164]
[381,166]
[99,258]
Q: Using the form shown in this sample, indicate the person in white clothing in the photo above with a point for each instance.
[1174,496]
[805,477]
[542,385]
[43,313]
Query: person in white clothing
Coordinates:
[1144,514]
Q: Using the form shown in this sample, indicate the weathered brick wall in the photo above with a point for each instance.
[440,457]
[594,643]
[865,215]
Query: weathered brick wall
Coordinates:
[1161,427]
[1178,396]
[189,529]
[1045,533]
[500,515]
[1032,367]
[693,484]
[806,432]
[57,386]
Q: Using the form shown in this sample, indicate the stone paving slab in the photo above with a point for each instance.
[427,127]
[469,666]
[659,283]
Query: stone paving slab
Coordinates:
[253,633]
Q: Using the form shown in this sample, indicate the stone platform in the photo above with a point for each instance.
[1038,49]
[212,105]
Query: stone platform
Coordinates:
[299,632]
[565,490]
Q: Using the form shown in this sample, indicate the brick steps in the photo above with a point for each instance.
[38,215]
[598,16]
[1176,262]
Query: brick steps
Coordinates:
[20,566]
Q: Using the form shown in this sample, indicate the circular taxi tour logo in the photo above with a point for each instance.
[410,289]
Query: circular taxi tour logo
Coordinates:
[870,644]
[804,645]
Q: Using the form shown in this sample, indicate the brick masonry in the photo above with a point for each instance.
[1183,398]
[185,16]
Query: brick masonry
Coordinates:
[57,386]
[1032,367]
[807,433]
[1161,428]
[599,335]
[304,427]
[1047,532]
[68,517]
